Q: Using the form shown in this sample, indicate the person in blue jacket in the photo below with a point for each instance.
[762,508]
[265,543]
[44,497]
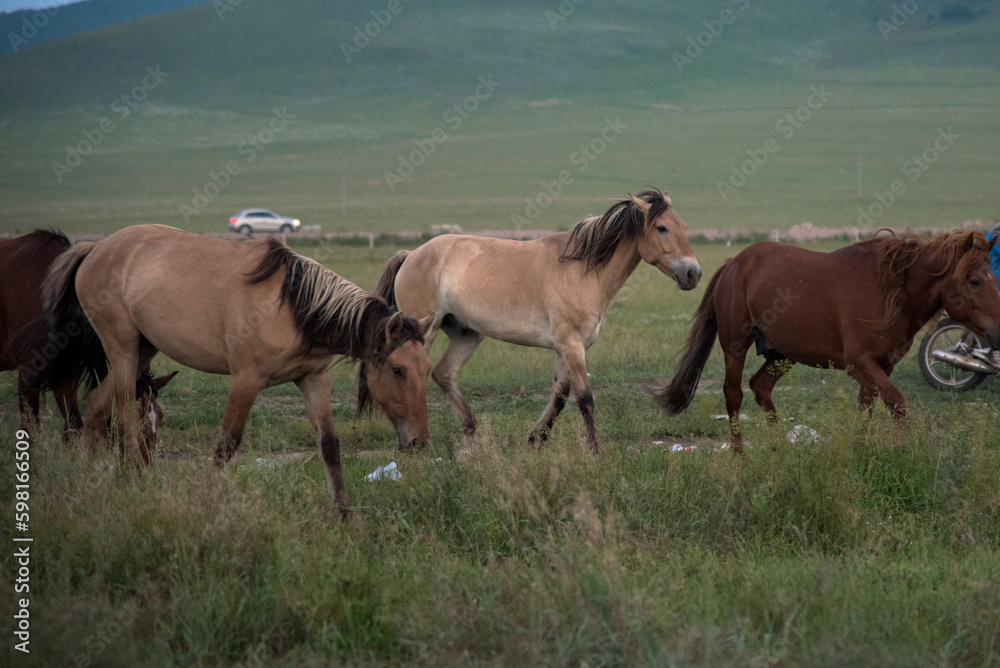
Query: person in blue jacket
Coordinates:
[995,268]
[995,251]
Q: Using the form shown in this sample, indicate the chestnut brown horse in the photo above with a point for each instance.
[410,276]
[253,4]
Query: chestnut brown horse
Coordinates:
[254,310]
[27,346]
[553,292]
[856,309]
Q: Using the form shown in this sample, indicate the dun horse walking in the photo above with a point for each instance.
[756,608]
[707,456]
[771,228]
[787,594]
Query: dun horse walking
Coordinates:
[552,292]
[27,346]
[254,310]
[856,309]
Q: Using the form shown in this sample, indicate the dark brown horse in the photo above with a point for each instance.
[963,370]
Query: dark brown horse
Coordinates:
[28,347]
[856,309]
[23,263]
[253,310]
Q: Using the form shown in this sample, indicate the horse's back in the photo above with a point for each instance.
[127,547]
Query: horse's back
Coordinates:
[499,287]
[802,302]
[187,294]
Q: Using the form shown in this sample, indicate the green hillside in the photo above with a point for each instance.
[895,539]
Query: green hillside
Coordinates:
[29,27]
[189,116]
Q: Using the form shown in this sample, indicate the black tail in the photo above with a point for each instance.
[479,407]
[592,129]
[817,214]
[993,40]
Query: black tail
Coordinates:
[677,396]
[387,284]
[63,346]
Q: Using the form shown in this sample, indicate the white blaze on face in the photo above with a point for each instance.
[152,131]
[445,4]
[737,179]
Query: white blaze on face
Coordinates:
[152,418]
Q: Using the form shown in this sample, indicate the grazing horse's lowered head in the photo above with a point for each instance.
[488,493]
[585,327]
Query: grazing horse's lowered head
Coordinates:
[339,317]
[393,376]
[659,233]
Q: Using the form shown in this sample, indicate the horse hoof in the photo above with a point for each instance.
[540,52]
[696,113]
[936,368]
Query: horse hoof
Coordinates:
[537,439]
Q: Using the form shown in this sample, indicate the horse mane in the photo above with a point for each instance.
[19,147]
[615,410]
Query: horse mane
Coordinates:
[329,310]
[950,252]
[595,240]
[333,312]
[50,236]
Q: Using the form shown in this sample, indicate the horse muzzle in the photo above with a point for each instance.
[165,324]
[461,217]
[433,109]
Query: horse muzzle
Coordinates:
[410,439]
[687,273]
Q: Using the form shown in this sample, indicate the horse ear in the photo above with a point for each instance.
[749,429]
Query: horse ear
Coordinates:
[160,382]
[643,205]
[425,324]
[393,327]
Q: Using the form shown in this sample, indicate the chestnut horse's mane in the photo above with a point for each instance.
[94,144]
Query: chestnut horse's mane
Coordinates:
[949,253]
[595,240]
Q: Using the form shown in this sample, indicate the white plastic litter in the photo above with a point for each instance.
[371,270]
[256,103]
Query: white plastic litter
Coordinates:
[677,447]
[802,434]
[389,472]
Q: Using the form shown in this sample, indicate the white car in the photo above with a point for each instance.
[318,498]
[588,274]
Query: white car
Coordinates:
[262,220]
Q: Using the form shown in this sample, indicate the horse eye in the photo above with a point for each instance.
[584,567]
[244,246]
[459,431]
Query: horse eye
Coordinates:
[976,283]
[661,228]
[397,371]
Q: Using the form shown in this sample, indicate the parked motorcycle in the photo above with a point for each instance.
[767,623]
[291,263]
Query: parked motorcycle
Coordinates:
[954,359]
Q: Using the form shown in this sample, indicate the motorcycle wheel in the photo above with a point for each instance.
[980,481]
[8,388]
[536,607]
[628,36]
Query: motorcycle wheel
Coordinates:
[942,375]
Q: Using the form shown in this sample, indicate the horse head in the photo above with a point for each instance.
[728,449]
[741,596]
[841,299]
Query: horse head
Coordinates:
[395,379]
[664,243]
[970,294]
[151,417]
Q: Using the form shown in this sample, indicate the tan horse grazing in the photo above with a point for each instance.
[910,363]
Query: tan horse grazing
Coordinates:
[254,310]
[856,309]
[552,292]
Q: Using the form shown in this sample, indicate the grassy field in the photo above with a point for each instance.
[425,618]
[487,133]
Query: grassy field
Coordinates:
[843,552]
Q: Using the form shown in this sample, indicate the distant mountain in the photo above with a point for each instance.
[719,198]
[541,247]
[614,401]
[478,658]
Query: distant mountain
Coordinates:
[28,27]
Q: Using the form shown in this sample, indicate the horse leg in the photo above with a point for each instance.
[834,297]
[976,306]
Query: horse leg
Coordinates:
[560,391]
[462,344]
[575,361]
[763,383]
[866,398]
[65,395]
[124,371]
[874,380]
[28,402]
[95,420]
[733,391]
[242,393]
[315,389]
